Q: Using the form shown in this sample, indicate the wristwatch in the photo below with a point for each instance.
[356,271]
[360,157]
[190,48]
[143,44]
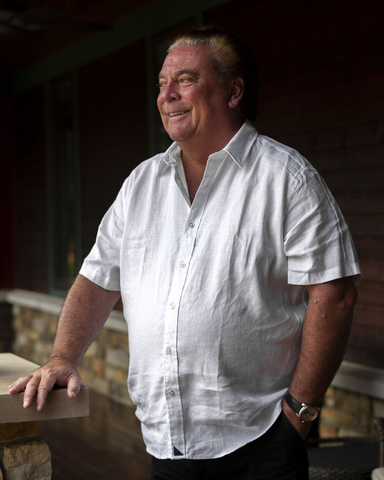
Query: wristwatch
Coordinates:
[306,413]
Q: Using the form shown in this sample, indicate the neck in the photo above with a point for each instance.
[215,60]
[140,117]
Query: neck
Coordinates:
[196,151]
[195,156]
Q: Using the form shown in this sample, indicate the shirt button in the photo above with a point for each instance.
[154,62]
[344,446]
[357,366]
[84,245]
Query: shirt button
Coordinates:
[172,305]
[172,393]
[168,350]
[183,264]
[192,225]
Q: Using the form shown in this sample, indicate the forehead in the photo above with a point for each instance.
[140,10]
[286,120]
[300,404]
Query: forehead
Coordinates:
[185,57]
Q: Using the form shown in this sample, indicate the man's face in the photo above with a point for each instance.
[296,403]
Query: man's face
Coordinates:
[193,102]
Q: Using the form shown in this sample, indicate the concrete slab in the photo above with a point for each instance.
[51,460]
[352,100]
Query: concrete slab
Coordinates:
[58,404]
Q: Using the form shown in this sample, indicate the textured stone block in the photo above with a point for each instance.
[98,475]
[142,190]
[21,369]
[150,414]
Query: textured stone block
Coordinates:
[39,324]
[98,367]
[337,418]
[52,325]
[58,405]
[30,460]
[92,350]
[117,357]
[100,385]
[116,375]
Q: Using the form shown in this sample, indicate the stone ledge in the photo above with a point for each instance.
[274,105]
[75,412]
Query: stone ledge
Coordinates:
[58,405]
[359,378]
[49,304]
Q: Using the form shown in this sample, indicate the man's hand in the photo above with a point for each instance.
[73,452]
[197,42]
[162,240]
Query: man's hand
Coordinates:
[302,428]
[39,383]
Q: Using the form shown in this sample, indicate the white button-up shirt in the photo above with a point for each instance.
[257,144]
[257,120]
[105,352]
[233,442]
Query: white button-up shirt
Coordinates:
[213,292]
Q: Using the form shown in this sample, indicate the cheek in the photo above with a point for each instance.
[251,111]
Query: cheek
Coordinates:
[162,116]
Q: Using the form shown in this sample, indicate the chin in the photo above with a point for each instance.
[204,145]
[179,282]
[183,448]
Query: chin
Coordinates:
[178,136]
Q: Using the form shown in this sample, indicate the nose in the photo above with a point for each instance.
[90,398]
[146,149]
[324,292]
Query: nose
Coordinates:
[169,92]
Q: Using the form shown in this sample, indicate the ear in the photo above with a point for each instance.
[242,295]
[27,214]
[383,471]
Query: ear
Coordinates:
[236,92]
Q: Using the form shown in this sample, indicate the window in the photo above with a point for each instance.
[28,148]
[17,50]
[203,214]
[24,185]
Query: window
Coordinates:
[63,180]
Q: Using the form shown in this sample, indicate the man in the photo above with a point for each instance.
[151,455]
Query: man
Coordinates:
[220,247]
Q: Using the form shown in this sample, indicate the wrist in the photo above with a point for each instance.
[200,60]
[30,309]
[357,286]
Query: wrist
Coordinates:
[304,411]
[301,428]
[58,357]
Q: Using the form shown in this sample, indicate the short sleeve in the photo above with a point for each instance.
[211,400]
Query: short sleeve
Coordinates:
[102,265]
[317,241]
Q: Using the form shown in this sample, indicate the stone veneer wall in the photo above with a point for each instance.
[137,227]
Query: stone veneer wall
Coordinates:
[105,368]
[349,414]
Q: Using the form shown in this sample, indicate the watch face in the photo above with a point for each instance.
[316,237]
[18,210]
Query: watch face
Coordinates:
[308,413]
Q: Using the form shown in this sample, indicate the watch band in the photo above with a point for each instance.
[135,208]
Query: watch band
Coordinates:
[293,403]
[306,413]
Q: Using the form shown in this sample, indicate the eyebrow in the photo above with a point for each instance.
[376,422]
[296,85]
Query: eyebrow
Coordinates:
[193,73]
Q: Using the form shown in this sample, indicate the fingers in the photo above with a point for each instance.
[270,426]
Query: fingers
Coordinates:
[33,386]
[37,384]
[40,382]
[47,381]
[19,385]
[31,389]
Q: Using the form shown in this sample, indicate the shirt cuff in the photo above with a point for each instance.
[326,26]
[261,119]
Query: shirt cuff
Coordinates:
[99,278]
[312,278]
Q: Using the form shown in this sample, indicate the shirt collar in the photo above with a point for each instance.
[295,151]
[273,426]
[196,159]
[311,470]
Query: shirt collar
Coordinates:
[172,155]
[237,148]
[240,145]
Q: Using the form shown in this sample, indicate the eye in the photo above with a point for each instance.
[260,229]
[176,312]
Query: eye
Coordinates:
[161,85]
[185,80]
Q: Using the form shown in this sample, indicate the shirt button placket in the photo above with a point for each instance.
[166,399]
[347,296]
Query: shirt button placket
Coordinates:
[171,351]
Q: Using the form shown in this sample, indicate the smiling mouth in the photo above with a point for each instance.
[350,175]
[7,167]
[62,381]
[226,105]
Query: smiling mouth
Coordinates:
[175,114]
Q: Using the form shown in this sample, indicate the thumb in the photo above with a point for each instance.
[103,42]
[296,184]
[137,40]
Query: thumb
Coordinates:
[73,386]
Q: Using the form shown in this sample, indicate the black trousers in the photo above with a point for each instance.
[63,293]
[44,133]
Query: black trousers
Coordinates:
[280,454]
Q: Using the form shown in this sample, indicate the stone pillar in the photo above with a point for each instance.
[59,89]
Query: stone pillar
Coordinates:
[23,454]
